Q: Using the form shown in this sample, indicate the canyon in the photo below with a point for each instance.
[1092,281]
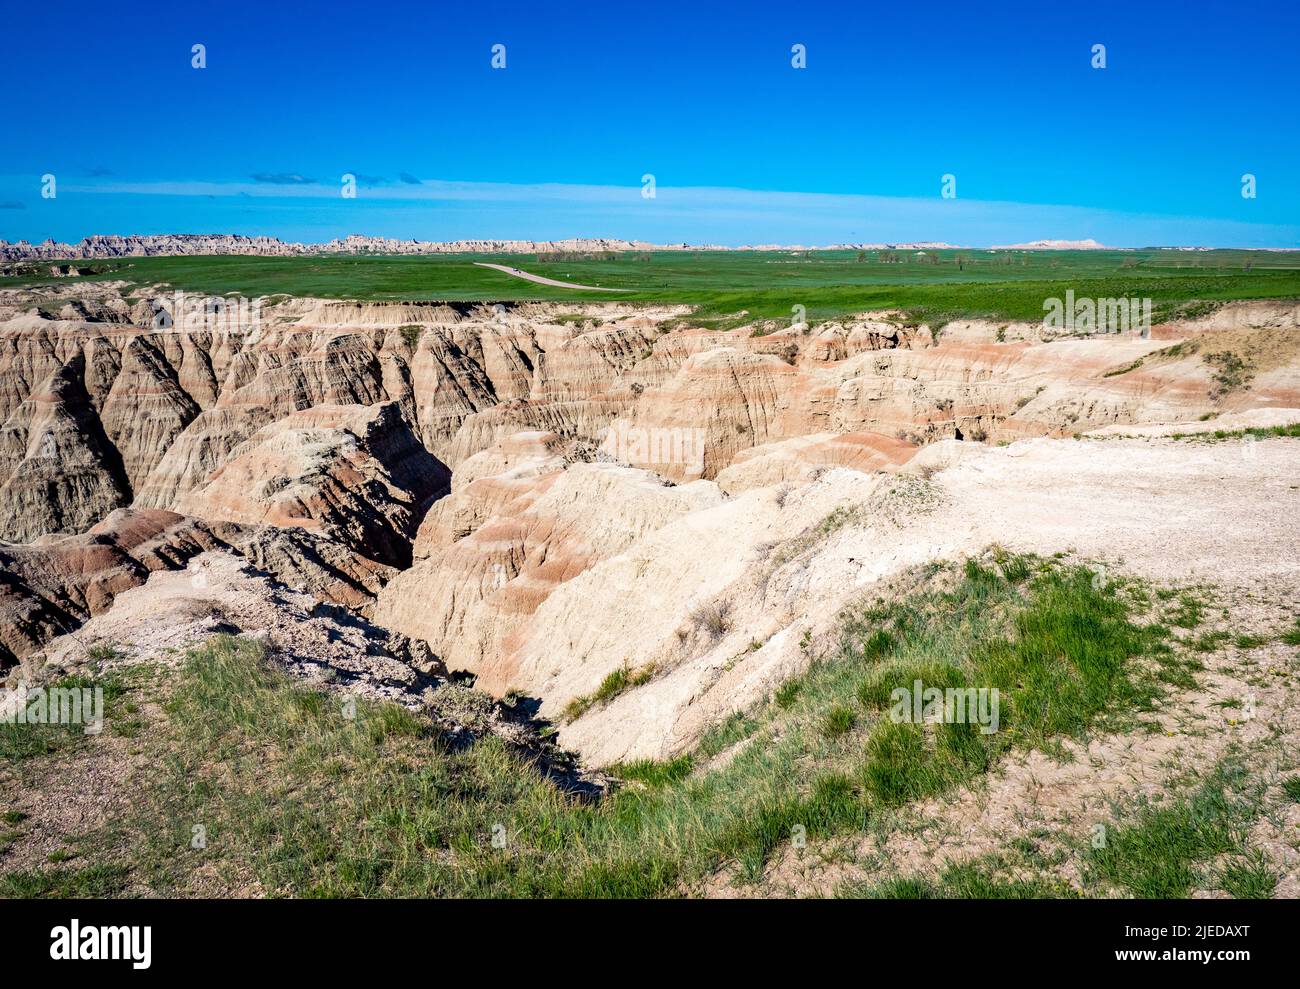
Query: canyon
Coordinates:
[542,496]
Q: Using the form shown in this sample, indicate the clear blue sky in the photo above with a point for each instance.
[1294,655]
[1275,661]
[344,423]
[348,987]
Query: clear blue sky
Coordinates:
[1150,149]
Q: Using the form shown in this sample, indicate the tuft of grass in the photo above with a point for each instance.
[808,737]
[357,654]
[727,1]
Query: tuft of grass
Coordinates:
[653,772]
[879,643]
[1156,856]
[714,617]
[1189,613]
[1250,879]
[95,881]
[1209,641]
[839,720]
[614,684]
[1125,369]
[1291,787]
[104,651]
[788,692]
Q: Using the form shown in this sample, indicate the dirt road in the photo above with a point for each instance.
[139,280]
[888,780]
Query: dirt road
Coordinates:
[546,281]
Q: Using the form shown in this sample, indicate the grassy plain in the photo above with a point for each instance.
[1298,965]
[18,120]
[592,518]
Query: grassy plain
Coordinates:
[730,288]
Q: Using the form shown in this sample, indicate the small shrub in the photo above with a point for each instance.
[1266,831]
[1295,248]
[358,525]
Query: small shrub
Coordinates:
[1231,372]
[713,617]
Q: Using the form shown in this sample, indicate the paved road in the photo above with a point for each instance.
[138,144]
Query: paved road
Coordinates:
[546,281]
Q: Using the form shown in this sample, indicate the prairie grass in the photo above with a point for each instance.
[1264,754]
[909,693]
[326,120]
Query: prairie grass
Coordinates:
[734,288]
[1161,854]
[296,798]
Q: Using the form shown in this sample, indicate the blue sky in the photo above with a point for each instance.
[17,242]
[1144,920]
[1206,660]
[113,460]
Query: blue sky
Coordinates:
[744,148]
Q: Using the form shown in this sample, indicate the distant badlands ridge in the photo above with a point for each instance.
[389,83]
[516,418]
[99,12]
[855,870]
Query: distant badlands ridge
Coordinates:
[112,246]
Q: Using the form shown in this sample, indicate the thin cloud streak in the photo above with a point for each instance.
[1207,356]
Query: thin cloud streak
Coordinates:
[692,214]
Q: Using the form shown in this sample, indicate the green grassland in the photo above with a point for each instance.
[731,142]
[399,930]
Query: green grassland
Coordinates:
[734,287]
[294,799]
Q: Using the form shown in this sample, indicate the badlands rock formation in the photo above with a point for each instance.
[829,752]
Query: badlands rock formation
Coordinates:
[353,472]
[100,246]
[550,496]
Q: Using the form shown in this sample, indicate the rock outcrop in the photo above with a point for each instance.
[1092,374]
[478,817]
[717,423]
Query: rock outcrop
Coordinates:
[156,620]
[354,473]
[491,553]
[51,586]
[58,471]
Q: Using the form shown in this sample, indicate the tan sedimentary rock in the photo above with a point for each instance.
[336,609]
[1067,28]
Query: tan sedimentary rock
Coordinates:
[52,585]
[502,543]
[357,474]
[718,403]
[145,410]
[196,452]
[795,459]
[58,472]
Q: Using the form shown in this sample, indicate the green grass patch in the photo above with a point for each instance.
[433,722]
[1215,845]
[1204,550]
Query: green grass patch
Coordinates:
[92,882]
[1058,650]
[655,772]
[20,742]
[839,720]
[1189,611]
[1159,854]
[1249,879]
[1292,430]
[967,881]
[615,683]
